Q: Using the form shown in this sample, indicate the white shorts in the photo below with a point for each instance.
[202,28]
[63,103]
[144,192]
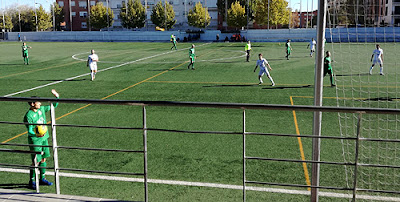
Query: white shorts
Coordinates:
[262,72]
[93,67]
[377,61]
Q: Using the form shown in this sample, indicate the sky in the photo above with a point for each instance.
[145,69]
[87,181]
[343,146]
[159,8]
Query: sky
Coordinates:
[295,4]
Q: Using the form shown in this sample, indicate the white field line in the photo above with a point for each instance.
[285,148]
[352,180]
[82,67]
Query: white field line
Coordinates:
[213,185]
[165,62]
[112,67]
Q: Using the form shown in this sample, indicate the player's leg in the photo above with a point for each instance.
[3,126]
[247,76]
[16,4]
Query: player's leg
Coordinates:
[330,72]
[247,55]
[175,45]
[270,78]
[43,164]
[193,60]
[32,173]
[381,67]
[190,63]
[27,58]
[372,67]
[260,74]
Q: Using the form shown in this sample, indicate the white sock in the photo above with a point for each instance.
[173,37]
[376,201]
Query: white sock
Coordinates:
[272,81]
[370,69]
[92,75]
[382,69]
[261,81]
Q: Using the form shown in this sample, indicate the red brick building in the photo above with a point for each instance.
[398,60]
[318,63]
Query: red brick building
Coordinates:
[76,12]
[312,18]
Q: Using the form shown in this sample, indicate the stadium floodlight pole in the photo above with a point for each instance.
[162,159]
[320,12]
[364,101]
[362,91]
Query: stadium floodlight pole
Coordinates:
[247,15]
[145,13]
[307,16]
[318,83]
[108,20]
[54,17]
[226,14]
[36,17]
[4,23]
[268,14]
[88,2]
[19,17]
[165,14]
[312,13]
[70,15]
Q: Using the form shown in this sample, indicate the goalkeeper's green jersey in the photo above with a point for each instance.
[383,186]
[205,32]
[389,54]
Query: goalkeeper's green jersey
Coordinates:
[191,53]
[287,45]
[327,63]
[25,49]
[38,117]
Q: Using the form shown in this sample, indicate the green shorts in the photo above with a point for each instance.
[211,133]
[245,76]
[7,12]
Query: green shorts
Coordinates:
[42,141]
[288,51]
[25,55]
[192,59]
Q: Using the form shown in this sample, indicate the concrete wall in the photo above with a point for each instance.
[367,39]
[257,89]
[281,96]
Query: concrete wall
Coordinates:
[380,34]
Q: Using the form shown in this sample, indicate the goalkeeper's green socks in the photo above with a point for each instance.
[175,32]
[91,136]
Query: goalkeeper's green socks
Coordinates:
[42,170]
[27,61]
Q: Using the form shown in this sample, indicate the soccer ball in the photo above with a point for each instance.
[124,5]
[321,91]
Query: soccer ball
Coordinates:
[40,130]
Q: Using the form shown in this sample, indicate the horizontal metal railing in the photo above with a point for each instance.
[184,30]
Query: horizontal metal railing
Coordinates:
[240,106]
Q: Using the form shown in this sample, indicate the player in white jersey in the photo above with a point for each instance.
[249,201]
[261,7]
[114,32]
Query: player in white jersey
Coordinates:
[312,45]
[92,64]
[377,57]
[263,63]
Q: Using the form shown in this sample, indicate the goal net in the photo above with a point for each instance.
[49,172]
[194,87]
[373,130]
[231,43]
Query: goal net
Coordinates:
[354,28]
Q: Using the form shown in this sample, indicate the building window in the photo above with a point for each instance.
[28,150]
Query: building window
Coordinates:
[61,4]
[73,14]
[83,4]
[386,11]
[72,3]
[83,14]
[92,3]
[83,25]
[119,6]
[397,10]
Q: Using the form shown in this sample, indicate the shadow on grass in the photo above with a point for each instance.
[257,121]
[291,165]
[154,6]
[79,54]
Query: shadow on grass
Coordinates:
[9,64]
[168,69]
[286,87]
[66,80]
[364,74]
[220,86]
[14,186]
[390,99]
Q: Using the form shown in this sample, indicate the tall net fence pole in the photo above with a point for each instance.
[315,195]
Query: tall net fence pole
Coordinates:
[316,143]
[55,148]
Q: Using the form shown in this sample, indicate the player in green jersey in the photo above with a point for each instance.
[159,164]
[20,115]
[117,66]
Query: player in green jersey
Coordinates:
[288,49]
[173,40]
[25,54]
[328,67]
[36,115]
[247,48]
[192,57]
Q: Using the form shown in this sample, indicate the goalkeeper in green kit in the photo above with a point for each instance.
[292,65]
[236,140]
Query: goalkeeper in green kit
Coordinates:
[25,54]
[38,135]
[192,57]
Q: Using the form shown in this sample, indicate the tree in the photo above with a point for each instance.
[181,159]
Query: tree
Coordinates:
[43,19]
[8,25]
[98,16]
[278,12]
[295,19]
[133,15]
[221,7]
[198,16]
[59,15]
[163,15]
[237,15]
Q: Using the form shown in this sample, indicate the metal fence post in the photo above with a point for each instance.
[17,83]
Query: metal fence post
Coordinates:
[244,155]
[55,148]
[356,155]
[36,164]
[146,197]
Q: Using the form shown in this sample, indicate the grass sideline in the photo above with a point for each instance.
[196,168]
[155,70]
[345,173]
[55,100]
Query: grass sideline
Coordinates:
[221,75]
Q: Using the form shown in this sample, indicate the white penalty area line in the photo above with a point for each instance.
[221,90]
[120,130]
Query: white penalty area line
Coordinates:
[212,185]
[112,67]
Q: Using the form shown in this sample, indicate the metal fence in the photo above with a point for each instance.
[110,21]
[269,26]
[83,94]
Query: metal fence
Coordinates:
[244,133]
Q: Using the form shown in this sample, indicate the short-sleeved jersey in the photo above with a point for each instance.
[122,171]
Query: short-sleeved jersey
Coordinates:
[191,52]
[261,63]
[313,43]
[38,117]
[377,54]
[93,58]
[173,39]
[327,63]
[287,45]
[247,47]
[25,49]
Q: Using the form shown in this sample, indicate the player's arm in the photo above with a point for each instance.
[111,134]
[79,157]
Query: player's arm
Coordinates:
[269,67]
[308,46]
[87,63]
[31,128]
[54,92]
[382,57]
[255,68]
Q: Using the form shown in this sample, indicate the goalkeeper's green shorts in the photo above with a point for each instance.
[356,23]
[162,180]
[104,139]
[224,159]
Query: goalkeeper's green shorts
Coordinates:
[41,141]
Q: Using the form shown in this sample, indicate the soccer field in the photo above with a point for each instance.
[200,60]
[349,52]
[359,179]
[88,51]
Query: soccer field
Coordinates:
[151,71]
